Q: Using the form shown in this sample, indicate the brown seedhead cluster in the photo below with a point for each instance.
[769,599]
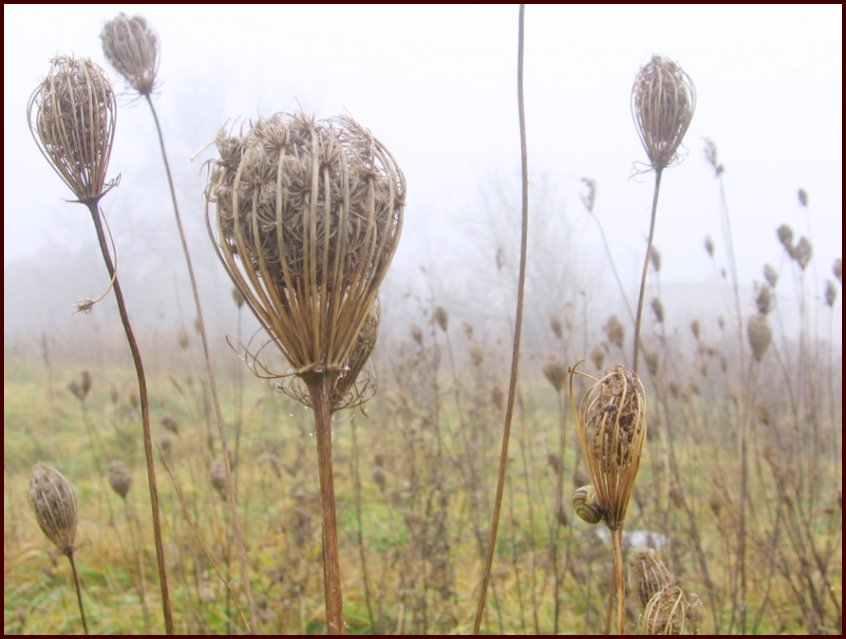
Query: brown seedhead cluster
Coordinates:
[647,574]
[120,477]
[72,118]
[132,48]
[53,500]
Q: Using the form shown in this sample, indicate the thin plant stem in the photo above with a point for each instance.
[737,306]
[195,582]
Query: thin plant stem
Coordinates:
[78,592]
[318,386]
[231,497]
[619,581]
[94,209]
[360,528]
[646,260]
[515,357]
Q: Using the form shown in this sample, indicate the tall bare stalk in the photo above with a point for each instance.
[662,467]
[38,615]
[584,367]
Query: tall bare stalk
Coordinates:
[518,325]
[71,117]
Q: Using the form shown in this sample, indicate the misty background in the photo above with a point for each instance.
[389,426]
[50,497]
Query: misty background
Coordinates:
[437,85]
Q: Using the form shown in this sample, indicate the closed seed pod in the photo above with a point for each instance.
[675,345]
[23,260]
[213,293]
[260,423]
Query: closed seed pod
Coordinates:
[120,477]
[132,48]
[53,500]
[647,574]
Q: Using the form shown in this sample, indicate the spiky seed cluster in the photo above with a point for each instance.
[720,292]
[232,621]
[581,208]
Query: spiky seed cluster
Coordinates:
[120,477]
[671,611]
[555,372]
[760,335]
[354,386]
[53,500]
[647,574]
[611,424]
[132,48]
[72,118]
[663,101]
[308,217]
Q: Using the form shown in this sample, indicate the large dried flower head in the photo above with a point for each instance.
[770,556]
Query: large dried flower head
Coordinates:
[760,335]
[72,118]
[771,275]
[120,477]
[611,425]
[802,252]
[671,611]
[132,48]
[663,101]
[614,331]
[647,574]
[53,500]
[308,217]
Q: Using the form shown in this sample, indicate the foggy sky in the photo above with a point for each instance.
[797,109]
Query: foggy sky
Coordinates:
[437,85]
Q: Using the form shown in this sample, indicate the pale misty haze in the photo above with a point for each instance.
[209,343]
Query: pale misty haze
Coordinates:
[437,85]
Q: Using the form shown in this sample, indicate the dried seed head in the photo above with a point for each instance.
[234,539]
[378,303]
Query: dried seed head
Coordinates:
[217,474]
[477,353]
[647,574]
[76,390]
[417,334]
[837,269]
[308,216]
[555,372]
[802,252]
[771,275]
[132,48]
[658,309]
[759,334]
[830,293]
[53,500]
[671,612]
[72,118]
[597,356]
[764,300]
[237,297]
[694,328]
[184,339]
[614,331]
[709,246]
[441,318]
[663,101]
[555,326]
[785,236]
[170,424]
[711,157]
[120,477]
[803,197]
[655,259]
[166,449]
[85,383]
[611,424]
[651,359]
[497,397]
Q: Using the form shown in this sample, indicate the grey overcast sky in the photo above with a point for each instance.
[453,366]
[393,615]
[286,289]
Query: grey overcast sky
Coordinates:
[437,84]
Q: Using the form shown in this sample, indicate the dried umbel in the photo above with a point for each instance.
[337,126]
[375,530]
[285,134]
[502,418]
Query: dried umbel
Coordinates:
[647,574]
[308,217]
[611,425]
[785,236]
[53,500]
[441,318]
[555,326]
[830,293]
[663,101]
[760,335]
[671,611]
[802,252]
[120,477]
[764,300]
[132,48]
[72,118]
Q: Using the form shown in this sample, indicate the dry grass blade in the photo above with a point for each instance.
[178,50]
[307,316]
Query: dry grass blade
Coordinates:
[72,119]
